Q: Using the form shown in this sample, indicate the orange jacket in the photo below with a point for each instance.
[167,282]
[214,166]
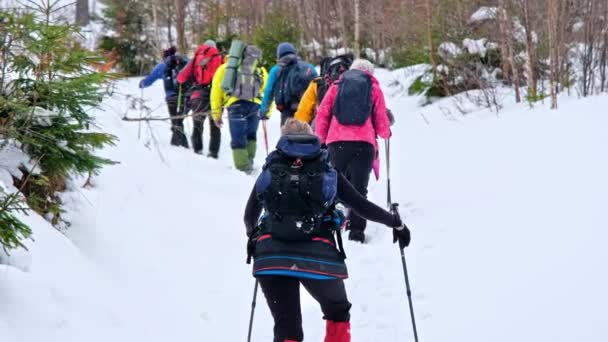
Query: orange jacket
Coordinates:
[308,104]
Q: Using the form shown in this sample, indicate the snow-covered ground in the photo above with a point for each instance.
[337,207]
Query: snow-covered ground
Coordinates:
[507,214]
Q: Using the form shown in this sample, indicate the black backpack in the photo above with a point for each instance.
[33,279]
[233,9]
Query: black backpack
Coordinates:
[291,83]
[298,189]
[331,70]
[353,105]
[174,64]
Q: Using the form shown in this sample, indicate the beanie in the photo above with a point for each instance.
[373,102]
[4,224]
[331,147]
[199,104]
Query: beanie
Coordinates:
[285,49]
[210,43]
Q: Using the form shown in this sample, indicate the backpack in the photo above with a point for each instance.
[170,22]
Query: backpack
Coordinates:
[292,81]
[205,63]
[235,55]
[331,70]
[353,105]
[249,80]
[298,188]
[174,64]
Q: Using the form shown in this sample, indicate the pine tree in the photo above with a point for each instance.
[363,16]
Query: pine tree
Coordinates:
[47,90]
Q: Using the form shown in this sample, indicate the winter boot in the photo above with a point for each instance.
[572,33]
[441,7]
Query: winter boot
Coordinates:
[337,332]
[241,159]
[252,147]
[356,235]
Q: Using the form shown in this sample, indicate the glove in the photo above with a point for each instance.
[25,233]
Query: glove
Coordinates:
[263,115]
[403,235]
[250,249]
[141,84]
[219,123]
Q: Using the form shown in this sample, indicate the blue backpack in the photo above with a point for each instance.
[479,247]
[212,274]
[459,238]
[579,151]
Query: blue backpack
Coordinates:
[291,83]
[298,188]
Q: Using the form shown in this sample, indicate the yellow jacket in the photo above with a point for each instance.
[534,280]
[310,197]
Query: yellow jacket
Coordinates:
[220,100]
[308,104]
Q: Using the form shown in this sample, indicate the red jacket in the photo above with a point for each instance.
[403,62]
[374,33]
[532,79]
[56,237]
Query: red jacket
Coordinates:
[330,130]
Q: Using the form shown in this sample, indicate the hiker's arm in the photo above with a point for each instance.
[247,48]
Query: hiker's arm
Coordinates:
[323,119]
[185,74]
[217,93]
[157,73]
[252,212]
[348,195]
[380,115]
[268,93]
[306,108]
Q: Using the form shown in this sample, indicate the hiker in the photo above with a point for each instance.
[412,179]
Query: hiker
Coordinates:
[331,69]
[351,116]
[297,240]
[287,82]
[238,85]
[200,72]
[167,70]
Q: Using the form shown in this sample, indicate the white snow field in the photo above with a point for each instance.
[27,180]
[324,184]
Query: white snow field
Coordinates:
[508,214]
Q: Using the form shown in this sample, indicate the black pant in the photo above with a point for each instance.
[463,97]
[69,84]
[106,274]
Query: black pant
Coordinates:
[286,114]
[200,110]
[354,159]
[283,297]
[178,138]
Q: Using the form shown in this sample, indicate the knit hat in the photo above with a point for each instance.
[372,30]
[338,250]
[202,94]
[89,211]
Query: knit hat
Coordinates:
[293,126]
[286,49]
[169,52]
[363,65]
[210,43]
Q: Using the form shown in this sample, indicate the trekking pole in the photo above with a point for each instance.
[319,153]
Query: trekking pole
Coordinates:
[387,149]
[265,128]
[141,112]
[253,303]
[394,210]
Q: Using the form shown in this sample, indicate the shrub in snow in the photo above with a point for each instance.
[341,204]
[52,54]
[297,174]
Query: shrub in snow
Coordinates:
[276,29]
[44,106]
[484,14]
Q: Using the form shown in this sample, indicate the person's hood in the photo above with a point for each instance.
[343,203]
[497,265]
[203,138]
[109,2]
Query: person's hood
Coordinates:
[299,145]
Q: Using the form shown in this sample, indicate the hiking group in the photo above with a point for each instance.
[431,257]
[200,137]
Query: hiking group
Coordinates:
[322,163]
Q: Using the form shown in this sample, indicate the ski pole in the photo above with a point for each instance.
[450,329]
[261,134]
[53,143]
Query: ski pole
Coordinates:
[394,209]
[141,112]
[409,294]
[265,128]
[253,303]
[387,149]
[179,100]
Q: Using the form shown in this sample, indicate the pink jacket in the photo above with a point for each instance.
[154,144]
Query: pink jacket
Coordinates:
[330,130]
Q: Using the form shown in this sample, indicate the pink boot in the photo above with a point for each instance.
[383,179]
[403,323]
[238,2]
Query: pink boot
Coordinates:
[337,332]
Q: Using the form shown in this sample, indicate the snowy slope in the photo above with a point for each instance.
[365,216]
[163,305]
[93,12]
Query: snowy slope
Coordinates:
[507,214]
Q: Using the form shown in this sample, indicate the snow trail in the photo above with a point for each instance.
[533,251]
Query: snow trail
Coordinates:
[507,215]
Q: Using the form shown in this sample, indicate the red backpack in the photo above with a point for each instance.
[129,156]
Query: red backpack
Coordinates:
[206,62]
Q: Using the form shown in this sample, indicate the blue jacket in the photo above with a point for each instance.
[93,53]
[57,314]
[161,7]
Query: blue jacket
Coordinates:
[158,73]
[269,91]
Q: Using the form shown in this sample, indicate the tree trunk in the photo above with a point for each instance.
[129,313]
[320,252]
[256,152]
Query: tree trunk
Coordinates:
[552,29]
[180,15]
[505,22]
[357,42]
[83,17]
[429,32]
[342,13]
[531,51]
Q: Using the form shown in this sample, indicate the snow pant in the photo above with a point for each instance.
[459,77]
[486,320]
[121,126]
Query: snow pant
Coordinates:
[178,138]
[201,107]
[283,297]
[354,159]
[286,114]
[244,122]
